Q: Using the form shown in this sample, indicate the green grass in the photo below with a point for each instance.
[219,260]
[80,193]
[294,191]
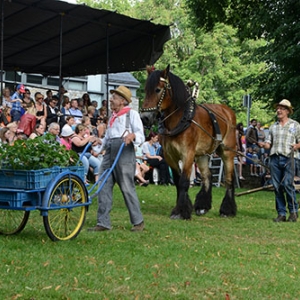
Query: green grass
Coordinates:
[246,257]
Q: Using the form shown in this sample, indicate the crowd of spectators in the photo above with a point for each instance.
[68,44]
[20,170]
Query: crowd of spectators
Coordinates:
[76,122]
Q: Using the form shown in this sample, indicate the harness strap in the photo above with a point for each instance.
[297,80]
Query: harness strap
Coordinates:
[215,124]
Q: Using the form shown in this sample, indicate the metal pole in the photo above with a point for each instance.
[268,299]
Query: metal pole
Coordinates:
[107,67]
[60,59]
[2,48]
[248,109]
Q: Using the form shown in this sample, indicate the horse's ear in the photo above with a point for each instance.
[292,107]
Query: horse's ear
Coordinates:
[166,71]
[150,69]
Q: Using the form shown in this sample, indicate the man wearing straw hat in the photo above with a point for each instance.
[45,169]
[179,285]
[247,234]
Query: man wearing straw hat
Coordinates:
[125,126]
[284,141]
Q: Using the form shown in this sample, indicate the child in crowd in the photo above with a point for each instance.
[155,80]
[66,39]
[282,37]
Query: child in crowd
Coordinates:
[251,160]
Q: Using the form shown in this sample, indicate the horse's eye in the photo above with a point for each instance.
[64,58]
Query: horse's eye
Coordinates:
[157,91]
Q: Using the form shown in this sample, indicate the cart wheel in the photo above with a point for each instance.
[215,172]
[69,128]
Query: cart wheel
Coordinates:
[13,221]
[66,223]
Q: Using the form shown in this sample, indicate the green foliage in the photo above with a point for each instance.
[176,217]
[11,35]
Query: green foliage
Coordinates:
[246,257]
[276,22]
[39,153]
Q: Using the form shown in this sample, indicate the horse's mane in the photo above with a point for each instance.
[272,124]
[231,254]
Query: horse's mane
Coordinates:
[179,91]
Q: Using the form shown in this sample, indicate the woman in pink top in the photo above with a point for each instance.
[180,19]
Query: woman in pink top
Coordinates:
[66,135]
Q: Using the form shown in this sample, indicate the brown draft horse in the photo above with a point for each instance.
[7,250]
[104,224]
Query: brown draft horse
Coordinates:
[191,132]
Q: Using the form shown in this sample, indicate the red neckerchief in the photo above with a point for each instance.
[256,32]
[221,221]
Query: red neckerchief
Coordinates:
[123,111]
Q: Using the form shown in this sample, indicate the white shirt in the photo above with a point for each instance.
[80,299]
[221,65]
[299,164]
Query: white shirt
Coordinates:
[119,127]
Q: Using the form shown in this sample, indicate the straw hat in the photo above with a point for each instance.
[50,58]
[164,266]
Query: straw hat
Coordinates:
[286,103]
[124,92]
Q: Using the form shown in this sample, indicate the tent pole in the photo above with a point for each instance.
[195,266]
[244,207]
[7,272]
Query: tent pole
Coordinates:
[2,48]
[107,68]
[60,60]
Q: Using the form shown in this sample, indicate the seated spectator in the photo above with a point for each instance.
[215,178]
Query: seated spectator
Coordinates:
[39,130]
[154,160]
[86,102]
[48,97]
[28,121]
[75,111]
[86,121]
[6,136]
[70,122]
[5,116]
[79,141]
[17,99]
[27,100]
[13,128]
[52,112]
[54,129]
[91,114]
[41,109]
[81,107]
[6,99]
[101,126]
[66,137]
[141,167]
[95,104]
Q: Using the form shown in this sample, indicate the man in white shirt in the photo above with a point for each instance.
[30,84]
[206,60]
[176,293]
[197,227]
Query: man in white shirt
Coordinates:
[125,126]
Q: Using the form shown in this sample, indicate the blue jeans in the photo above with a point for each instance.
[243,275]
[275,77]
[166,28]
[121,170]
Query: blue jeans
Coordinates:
[88,161]
[282,174]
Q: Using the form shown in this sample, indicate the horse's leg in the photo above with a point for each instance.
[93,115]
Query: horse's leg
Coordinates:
[184,207]
[204,197]
[228,207]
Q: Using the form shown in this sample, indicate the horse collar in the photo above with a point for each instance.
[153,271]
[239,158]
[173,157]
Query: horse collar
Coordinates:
[184,123]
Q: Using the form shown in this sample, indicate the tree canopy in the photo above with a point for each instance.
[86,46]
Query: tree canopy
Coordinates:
[275,21]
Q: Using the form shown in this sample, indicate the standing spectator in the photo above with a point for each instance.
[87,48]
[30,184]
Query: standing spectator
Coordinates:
[125,126]
[251,160]
[251,135]
[239,145]
[261,136]
[284,142]
[17,99]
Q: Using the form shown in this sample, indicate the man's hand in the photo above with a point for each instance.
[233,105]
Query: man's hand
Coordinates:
[129,138]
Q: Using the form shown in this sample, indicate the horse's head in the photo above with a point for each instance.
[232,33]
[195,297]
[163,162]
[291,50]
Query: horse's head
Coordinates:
[158,95]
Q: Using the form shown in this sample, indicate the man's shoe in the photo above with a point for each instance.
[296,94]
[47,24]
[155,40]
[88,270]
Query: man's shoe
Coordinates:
[138,227]
[280,218]
[293,217]
[98,228]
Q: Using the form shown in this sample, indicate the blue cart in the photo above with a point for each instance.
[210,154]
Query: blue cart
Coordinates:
[60,195]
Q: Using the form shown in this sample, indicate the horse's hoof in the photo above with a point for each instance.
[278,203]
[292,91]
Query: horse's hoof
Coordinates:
[201,212]
[223,216]
[226,216]
[175,217]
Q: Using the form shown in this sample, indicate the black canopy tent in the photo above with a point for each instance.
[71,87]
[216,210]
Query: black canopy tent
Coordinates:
[52,37]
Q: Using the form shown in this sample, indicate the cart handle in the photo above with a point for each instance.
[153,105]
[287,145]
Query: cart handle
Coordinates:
[106,173]
[88,145]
